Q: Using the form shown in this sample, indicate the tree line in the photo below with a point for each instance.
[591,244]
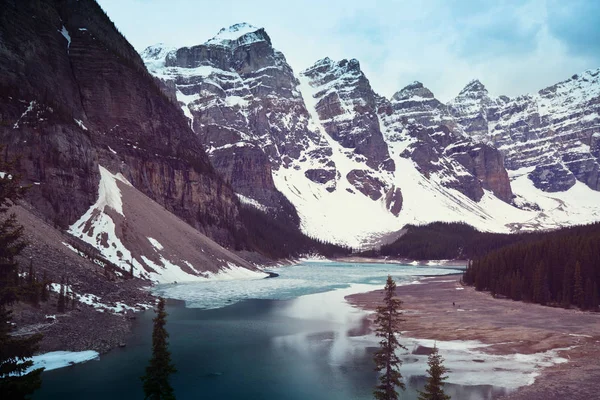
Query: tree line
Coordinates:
[560,268]
[278,239]
[447,241]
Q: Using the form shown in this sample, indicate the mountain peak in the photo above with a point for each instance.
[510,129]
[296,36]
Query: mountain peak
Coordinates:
[242,32]
[156,51]
[327,65]
[473,87]
[415,89]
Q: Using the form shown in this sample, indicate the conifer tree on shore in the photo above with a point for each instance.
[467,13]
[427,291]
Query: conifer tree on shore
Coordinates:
[387,324]
[434,387]
[156,380]
[15,382]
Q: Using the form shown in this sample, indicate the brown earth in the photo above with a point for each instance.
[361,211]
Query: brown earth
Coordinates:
[510,327]
[82,328]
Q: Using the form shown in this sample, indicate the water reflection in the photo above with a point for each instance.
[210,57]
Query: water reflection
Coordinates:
[308,347]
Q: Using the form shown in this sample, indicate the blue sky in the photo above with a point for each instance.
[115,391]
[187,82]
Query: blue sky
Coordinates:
[513,46]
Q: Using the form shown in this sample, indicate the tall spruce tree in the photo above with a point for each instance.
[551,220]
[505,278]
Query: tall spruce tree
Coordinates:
[578,293]
[15,381]
[434,388]
[387,362]
[156,381]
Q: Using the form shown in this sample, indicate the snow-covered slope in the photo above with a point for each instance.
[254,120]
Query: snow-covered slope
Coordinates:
[553,132]
[139,236]
[355,166]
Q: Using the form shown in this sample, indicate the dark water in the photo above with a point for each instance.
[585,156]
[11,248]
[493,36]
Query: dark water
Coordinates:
[255,349]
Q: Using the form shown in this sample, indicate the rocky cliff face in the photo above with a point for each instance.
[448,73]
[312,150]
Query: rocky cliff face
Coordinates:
[241,98]
[320,149]
[347,109]
[321,141]
[74,95]
[422,129]
[549,135]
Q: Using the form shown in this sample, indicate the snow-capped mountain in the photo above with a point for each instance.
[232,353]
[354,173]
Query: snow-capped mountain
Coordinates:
[91,130]
[551,136]
[355,165]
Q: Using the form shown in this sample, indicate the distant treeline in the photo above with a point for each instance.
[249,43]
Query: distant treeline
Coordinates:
[277,239]
[443,241]
[559,268]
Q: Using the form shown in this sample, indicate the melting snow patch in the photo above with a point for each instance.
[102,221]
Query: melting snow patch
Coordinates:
[93,300]
[29,108]
[60,359]
[250,201]
[513,370]
[80,123]
[66,35]
[155,243]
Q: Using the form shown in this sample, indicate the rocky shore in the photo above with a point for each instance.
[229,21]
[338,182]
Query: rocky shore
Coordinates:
[442,309]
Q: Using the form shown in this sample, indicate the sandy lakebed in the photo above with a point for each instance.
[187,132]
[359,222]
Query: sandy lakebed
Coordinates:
[509,327]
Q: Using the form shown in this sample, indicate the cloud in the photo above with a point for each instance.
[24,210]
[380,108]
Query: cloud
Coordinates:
[577,25]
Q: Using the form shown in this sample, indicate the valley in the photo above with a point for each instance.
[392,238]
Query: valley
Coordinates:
[268,202]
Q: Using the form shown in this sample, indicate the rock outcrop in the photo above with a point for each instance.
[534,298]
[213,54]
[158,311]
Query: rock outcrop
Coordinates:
[62,120]
[241,98]
[548,135]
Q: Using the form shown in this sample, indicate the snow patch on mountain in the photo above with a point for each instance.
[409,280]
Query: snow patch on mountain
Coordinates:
[161,261]
[234,33]
[61,359]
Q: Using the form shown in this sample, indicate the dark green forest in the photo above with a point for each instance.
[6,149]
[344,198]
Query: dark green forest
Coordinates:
[279,239]
[446,241]
[559,268]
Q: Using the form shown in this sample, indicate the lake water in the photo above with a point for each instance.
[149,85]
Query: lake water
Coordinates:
[291,337]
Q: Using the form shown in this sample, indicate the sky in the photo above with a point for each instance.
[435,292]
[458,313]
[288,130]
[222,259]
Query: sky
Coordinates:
[513,47]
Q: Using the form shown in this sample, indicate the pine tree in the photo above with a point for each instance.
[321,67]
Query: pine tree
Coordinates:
[434,388]
[14,361]
[589,293]
[387,322]
[14,352]
[567,291]
[156,381]
[44,294]
[578,294]
[595,299]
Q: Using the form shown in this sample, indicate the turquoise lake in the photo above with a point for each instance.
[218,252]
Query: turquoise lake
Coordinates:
[290,337]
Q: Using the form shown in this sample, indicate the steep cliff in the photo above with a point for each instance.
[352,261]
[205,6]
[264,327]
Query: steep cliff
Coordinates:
[549,135]
[75,94]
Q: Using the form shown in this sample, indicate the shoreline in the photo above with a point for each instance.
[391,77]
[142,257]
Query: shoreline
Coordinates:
[76,330]
[508,328]
[402,261]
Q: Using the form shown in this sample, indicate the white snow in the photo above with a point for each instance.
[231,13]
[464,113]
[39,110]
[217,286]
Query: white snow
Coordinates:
[95,301]
[60,359]
[293,281]
[156,244]
[98,228]
[29,109]
[66,35]
[250,201]
[80,123]
[513,370]
[578,205]
[234,33]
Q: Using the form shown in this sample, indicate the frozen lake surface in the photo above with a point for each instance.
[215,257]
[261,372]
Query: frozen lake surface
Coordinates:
[291,337]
